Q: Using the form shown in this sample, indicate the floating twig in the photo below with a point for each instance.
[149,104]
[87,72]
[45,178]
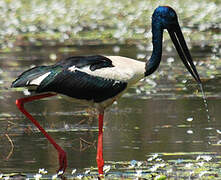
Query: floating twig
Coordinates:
[12,147]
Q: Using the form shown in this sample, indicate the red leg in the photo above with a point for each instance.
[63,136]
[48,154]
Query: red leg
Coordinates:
[61,152]
[100,160]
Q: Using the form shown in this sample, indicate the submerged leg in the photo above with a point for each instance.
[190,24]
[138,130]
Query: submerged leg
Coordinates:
[61,152]
[100,160]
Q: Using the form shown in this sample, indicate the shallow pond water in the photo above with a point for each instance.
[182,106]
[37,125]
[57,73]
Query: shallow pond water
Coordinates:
[164,114]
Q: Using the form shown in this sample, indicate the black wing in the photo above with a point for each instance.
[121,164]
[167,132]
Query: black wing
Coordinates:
[29,75]
[81,85]
[94,62]
[76,84]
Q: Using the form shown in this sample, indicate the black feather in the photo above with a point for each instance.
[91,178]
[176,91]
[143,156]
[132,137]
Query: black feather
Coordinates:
[76,84]
[95,62]
[30,75]
[81,85]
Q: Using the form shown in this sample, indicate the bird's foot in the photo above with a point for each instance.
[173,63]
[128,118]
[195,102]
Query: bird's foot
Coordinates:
[100,165]
[62,162]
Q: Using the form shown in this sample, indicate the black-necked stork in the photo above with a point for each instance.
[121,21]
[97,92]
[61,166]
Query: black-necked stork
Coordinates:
[100,80]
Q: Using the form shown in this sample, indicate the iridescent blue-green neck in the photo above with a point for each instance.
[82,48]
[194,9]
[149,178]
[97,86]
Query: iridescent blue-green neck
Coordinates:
[157,39]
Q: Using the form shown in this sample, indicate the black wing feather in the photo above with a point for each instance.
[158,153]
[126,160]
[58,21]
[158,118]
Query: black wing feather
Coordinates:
[81,85]
[76,84]
[30,75]
[95,62]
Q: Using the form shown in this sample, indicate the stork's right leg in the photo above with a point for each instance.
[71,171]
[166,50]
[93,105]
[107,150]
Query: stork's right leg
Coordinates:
[61,152]
[100,160]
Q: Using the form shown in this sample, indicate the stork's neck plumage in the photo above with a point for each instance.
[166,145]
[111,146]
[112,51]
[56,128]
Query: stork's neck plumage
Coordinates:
[157,39]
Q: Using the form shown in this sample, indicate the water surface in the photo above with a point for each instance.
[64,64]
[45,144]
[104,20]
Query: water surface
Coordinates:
[164,113]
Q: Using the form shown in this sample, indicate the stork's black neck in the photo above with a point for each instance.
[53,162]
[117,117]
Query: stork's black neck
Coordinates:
[157,39]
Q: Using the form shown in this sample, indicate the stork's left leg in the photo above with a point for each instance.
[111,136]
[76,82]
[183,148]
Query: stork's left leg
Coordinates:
[100,160]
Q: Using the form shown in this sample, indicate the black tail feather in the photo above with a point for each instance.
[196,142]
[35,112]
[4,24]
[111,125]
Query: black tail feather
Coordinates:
[27,76]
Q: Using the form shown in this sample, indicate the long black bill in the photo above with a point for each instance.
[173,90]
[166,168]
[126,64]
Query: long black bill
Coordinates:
[177,37]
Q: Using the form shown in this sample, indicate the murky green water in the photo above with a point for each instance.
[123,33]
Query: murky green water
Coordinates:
[164,113]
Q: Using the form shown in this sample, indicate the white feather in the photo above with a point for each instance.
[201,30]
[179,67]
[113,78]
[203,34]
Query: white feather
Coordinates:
[125,69]
[38,80]
[73,68]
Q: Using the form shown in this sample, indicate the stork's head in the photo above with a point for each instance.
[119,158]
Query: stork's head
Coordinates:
[164,17]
